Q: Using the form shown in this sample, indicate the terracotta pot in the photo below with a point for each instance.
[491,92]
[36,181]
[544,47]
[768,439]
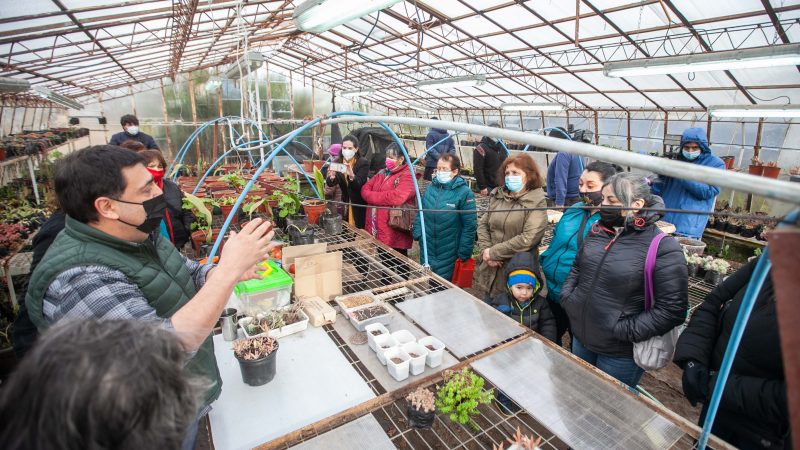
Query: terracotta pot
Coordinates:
[772,172]
[211,179]
[308,166]
[199,238]
[226,211]
[728,160]
[188,180]
[200,194]
[313,210]
[755,170]
[318,164]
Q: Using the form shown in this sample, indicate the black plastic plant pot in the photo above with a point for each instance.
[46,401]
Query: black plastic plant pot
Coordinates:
[332,223]
[419,419]
[297,220]
[260,371]
[713,278]
[298,238]
[692,269]
[280,222]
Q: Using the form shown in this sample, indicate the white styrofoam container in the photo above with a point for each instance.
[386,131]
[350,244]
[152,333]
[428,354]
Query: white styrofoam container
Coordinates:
[434,358]
[398,371]
[404,337]
[383,318]
[279,332]
[384,340]
[374,327]
[418,363]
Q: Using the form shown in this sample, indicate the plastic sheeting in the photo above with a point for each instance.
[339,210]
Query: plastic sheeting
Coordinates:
[465,325]
[582,409]
[361,434]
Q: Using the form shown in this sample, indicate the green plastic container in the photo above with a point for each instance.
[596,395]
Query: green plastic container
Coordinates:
[261,296]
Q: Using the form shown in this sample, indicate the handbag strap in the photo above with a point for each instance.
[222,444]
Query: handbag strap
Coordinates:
[649,266]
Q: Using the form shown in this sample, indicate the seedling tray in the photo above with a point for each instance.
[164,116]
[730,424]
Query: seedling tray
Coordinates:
[358,320]
[347,302]
[278,333]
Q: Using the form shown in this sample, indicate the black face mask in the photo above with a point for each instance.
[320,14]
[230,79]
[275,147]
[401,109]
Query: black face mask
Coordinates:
[611,216]
[154,208]
[592,198]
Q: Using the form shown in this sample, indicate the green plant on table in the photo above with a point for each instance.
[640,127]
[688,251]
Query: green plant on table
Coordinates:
[718,265]
[234,178]
[757,252]
[253,205]
[460,396]
[202,215]
[319,182]
[225,201]
[289,198]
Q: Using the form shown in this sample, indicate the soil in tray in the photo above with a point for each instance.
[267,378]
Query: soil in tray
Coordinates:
[367,313]
[430,347]
[397,360]
[376,332]
[413,355]
[356,300]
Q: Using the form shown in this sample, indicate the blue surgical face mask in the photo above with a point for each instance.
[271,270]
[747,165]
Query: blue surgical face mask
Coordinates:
[691,156]
[514,183]
[444,177]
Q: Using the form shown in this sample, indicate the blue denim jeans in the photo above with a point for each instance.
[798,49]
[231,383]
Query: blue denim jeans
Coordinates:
[622,368]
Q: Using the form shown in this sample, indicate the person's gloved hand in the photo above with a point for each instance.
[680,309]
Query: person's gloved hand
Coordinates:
[505,309]
[695,382]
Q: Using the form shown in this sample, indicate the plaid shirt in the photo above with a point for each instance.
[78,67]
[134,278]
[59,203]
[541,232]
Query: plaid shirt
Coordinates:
[104,293]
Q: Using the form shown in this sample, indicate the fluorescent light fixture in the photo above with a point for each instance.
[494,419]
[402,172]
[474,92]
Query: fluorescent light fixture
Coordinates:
[541,106]
[447,83]
[422,109]
[250,60]
[754,111]
[57,98]
[357,93]
[316,16]
[8,84]
[749,58]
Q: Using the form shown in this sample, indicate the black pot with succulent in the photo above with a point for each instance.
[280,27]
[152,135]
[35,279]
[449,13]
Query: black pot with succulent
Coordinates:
[421,408]
[257,359]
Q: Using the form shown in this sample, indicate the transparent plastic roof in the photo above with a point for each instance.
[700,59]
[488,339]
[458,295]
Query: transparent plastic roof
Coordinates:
[547,50]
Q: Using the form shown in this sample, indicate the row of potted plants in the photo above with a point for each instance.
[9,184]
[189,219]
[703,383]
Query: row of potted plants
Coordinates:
[707,267]
[769,170]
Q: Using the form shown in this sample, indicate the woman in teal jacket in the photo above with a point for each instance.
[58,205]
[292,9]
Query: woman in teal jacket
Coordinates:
[449,235]
[568,236]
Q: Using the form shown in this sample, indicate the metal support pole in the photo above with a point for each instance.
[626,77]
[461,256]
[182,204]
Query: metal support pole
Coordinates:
[166,116]
[24,116]
[770,188]
[13,116]
[33,179]
[784,246]
[756,153]
[133,100]
[596,128]
[269,95]
[194,117]
[102,113]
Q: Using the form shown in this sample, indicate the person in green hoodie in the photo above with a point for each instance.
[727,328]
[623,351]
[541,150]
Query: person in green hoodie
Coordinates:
[568,236]
[449,235]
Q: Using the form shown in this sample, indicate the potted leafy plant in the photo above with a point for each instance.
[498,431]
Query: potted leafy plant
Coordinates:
[234,179]
[226,206]
[520,442]
[756,167]
[257,359]
[300,236]
[771,170]
[254,204]
[693,263]
[312,207]
[460,396]
[421,408]
[201,226]
[715,270]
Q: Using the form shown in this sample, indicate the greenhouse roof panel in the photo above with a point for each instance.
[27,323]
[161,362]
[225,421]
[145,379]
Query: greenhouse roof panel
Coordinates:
[107,45]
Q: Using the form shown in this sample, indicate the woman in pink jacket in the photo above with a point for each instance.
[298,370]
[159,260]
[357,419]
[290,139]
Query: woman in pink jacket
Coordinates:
[390,187]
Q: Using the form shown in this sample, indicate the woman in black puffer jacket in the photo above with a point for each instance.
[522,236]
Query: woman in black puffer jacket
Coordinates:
[753,411]
[604,292]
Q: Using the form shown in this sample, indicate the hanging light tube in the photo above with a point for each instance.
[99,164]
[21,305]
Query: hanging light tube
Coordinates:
[9,84]
[749,58]
[249,62]
[357,93]
[317,16]
[422,109]
[447,83]
[540,106]
[58,99]
[780,111]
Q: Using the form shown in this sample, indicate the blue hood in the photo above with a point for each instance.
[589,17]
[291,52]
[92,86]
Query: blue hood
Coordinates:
[696,135]
[441,131]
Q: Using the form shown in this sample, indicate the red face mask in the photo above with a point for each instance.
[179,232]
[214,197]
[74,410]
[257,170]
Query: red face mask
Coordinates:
[158,176]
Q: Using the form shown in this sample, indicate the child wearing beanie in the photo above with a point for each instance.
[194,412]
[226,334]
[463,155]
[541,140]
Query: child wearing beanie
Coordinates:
[522,300]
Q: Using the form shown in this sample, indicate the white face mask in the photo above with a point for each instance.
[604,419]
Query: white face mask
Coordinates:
[133,130]
[348,154]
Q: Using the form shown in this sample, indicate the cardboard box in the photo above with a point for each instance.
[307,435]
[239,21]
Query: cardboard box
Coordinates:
[318,311]
[318,276]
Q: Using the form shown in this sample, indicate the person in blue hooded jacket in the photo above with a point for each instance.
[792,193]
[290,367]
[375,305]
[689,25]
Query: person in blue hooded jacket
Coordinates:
[449,235]
[690,195]
[446,146]
[568,236]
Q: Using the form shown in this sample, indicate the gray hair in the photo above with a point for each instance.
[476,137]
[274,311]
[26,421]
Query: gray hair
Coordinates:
[90,384]
[629,187]
[393,151]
